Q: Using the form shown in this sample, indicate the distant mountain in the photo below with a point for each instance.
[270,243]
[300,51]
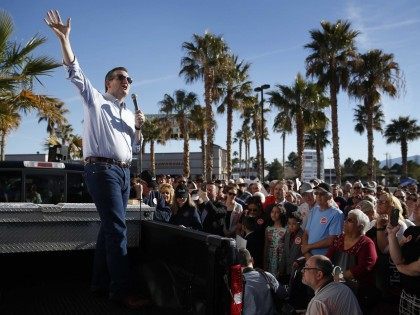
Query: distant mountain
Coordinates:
[414,158]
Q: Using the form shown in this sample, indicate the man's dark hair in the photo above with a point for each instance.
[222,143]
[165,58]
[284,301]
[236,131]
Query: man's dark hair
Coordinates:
[110,74]
[325,265]
[250,223]
[244,257]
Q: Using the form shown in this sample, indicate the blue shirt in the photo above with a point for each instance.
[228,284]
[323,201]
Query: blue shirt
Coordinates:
[109,130]
[321,224]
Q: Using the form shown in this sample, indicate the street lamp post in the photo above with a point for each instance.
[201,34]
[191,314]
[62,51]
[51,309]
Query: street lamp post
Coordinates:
[261,89]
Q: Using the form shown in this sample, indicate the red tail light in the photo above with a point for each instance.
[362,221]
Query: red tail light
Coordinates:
[236,287]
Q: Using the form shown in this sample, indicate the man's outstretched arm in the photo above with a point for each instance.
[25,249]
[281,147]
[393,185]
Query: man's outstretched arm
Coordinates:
[62,32]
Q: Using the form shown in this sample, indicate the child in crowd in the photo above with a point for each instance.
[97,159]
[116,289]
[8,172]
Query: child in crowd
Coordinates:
[292,245]
[274,239]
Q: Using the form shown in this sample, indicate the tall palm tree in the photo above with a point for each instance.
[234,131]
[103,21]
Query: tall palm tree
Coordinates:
[238,138]
[317,138]
[247,135]
[361,118]
[282,124]
[375,73]
[402,130]
[302,105]
[206,58]
[181,105]
[9,121]
[12,105]
[332,50]
[154,130]
[54,122]
[252,115]
[198,121]
[19,69]
[236,89]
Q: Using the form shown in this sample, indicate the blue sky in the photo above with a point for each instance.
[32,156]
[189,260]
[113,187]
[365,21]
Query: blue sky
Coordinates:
[146,37]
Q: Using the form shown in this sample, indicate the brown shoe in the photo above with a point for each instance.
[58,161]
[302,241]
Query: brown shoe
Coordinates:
[133,302]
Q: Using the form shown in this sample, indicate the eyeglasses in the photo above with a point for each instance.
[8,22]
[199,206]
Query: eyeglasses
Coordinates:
[121,77]
[309,268]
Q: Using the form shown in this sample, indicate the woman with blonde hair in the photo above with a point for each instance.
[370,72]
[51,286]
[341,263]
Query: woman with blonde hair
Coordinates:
[167,192]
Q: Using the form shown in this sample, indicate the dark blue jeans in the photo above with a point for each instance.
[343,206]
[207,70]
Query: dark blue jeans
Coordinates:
[109,186]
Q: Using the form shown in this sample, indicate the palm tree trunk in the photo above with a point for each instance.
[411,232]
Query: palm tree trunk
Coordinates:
[185,136]
[334,129]
[240,157]
[369,131]
[257,144]
[318,160]
[209,126]
[300,143]
[2,145]
[404,152]
[203,154]
[247,149]
[152,157]
[229,140]
[186,155]
[284,150]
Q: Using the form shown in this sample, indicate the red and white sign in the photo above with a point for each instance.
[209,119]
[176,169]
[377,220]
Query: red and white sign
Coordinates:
[323,220]
[298,240]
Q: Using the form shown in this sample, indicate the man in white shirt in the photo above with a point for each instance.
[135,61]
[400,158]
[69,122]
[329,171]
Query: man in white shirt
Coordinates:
[111,133]
[331,298]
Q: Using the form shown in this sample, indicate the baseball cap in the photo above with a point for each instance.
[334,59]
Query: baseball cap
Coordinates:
[306,188]
[181,191]
[148,177]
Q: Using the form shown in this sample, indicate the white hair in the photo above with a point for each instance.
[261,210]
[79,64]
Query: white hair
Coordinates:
[361,218]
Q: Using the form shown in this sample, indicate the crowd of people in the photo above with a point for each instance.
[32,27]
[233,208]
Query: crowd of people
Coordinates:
[285,227]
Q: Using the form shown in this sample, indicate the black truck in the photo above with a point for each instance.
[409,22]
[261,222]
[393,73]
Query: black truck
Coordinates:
[182,271]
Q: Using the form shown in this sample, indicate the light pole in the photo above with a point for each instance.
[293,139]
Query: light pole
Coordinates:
[261,89]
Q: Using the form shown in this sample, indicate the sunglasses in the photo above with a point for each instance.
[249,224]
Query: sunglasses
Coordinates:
[231,193]
[121,77]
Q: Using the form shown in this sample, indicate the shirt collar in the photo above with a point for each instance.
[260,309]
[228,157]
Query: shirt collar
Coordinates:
[112,99]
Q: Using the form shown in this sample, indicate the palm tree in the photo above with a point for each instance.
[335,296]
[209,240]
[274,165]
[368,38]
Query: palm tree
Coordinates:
[252,115]
[282,124]
[155,130]
[300,104]
[247,135]
[18,72]
[317,138]
[361,118]
[13,104]
[374,73]
[181,104]
[332,49]
[55,122]
[197,118]
[238,138]
[206,58]
[9,121]
[236,88]
[402,130]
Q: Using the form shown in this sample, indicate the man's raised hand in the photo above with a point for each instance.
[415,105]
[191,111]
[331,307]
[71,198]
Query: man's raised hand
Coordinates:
[53,20]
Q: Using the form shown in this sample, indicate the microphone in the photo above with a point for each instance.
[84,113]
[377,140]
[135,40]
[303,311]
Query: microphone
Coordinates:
[134,98]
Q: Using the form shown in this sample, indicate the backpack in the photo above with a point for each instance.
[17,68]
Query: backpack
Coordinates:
[281,305]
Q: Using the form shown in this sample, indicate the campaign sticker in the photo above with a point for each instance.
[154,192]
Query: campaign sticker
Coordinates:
[298,240]
[323,220]
[260,221]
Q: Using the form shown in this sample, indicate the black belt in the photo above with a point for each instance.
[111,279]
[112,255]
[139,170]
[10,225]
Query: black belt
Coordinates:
[98,159]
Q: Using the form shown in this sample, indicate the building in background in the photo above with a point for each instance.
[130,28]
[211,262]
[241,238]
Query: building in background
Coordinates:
[310,165]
